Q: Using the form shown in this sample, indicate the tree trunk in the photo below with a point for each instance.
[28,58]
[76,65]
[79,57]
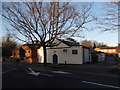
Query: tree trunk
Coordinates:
[45,54]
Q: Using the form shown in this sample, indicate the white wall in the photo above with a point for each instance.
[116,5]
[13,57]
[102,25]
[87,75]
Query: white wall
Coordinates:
[66,56]
[118,54]
[63,56]
[101,57]
[87,55]
[60,44]
[40,55]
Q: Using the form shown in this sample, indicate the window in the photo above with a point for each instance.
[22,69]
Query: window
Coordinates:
[74,52]
[65,50]
[54,51]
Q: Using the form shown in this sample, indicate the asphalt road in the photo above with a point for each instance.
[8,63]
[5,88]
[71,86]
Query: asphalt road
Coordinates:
[20,75]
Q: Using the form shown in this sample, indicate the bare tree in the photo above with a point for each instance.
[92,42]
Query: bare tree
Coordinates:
[89,43]
[86,43]
[109,19]
[45,21]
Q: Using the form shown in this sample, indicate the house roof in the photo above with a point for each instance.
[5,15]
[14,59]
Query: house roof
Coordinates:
[86,47]
[31,46]
[72,44]
[110,48]
[69,43]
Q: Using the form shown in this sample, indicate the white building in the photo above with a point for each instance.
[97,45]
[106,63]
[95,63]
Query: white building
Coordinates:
[65,53]
[101,56]
[118,54]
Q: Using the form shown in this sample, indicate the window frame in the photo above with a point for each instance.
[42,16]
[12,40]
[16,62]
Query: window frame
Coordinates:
[75,51]
[64,50]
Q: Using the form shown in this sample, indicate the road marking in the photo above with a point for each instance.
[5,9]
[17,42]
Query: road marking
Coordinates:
[33,72]
[59,72]
[37,73]
[92,73]
[8,71]
[46,74]
[62,72]
[100,84]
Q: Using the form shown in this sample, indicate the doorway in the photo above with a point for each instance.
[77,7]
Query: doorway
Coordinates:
[55,59]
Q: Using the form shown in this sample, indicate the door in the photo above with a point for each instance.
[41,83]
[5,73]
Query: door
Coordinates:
[55,59]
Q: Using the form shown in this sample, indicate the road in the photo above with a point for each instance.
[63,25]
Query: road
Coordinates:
[19,75]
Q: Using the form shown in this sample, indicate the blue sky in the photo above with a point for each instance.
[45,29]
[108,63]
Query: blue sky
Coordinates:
[109,37]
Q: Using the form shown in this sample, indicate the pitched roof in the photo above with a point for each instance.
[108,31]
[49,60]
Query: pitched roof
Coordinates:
[31,46]
[110,48]
[69,43]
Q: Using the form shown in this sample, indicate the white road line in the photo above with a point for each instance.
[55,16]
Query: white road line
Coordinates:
[33,72]
[8,71]
[46,74]
[92,73]
[111,86]
[58,72]
[61,72]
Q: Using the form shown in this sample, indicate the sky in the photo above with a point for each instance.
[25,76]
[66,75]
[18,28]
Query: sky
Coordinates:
[109,37]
